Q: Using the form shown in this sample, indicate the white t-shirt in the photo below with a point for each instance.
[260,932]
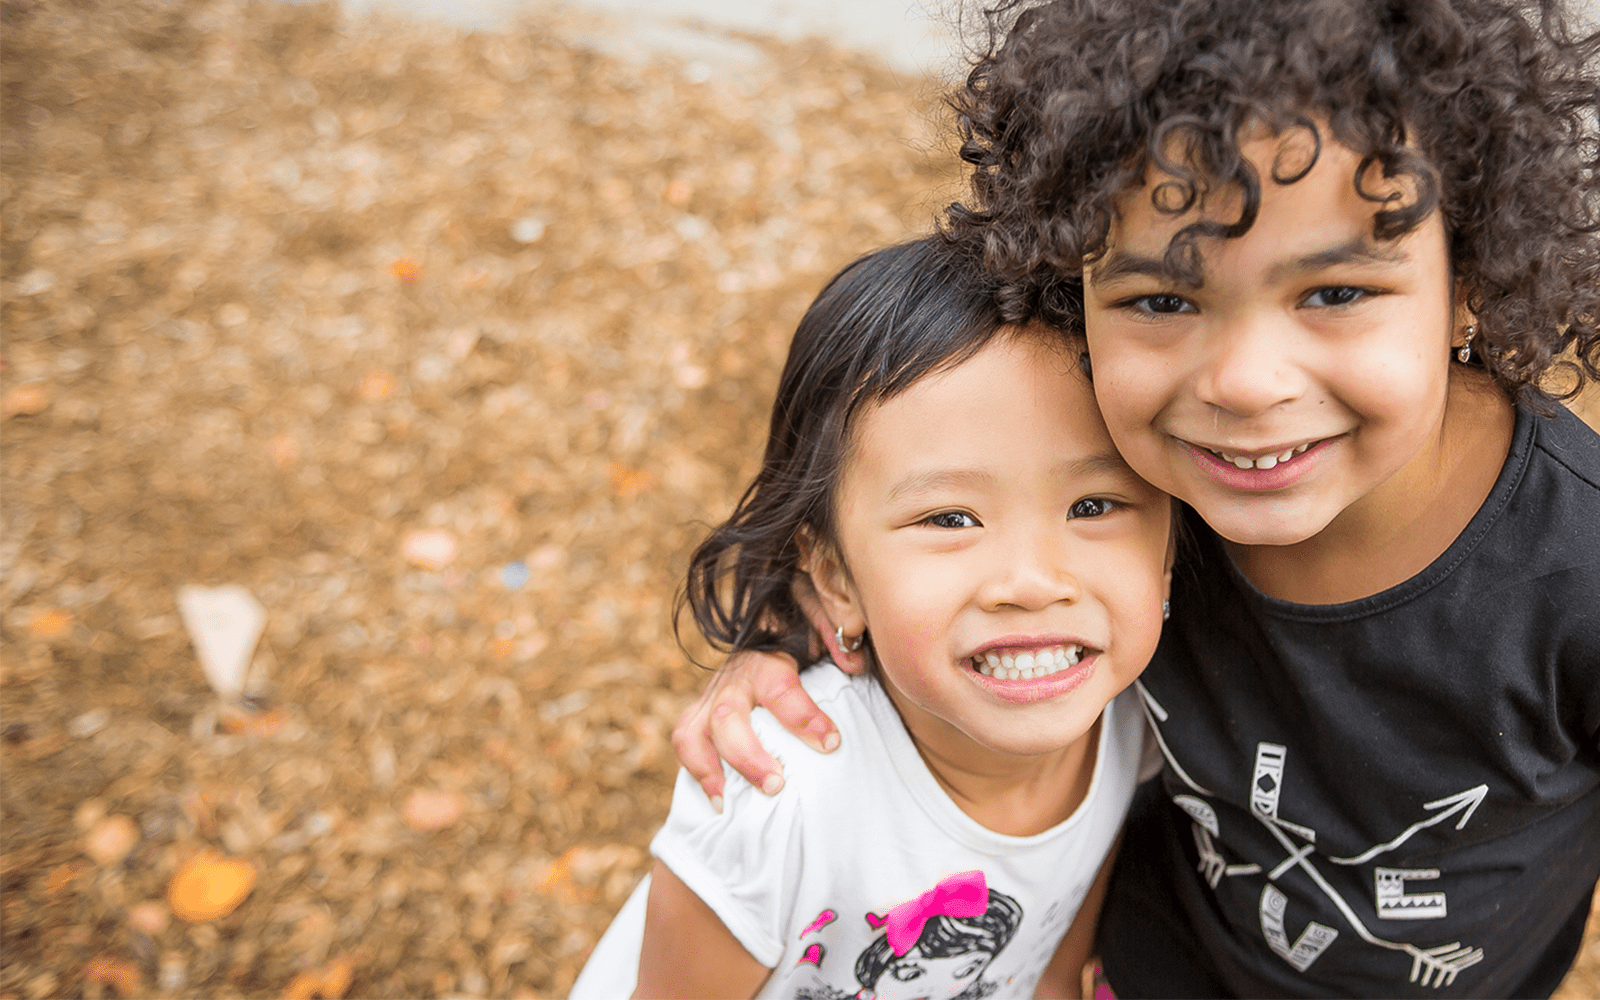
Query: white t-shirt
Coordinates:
[837,882]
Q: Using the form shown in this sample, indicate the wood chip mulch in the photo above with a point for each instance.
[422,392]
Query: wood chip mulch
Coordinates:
[447,347]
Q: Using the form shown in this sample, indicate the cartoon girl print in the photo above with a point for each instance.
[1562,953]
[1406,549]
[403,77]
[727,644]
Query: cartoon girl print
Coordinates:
[937,945]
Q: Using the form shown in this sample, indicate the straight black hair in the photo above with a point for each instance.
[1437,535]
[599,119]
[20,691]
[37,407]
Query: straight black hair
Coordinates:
[882,323]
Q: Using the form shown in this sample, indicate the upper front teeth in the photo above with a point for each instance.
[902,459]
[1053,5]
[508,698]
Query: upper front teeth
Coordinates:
[1037,663]
[1265,461]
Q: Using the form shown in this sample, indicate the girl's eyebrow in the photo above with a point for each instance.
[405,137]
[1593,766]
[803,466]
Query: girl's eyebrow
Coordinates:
[1356,250]
[931,480]
[1105,463]
[1119,264]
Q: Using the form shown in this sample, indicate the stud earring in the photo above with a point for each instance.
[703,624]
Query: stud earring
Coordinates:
[838,636]
[1464,352]
[1166,610]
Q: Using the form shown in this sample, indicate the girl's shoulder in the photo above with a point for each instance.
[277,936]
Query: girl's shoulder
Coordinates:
[1571,443]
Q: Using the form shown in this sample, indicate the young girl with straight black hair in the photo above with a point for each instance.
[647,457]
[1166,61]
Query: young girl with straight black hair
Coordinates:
[942,481]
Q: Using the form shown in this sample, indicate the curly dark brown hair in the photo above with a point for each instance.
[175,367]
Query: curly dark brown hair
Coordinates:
[1487,107]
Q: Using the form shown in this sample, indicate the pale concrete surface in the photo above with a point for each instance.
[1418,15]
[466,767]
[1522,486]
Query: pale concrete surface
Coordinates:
[912,36]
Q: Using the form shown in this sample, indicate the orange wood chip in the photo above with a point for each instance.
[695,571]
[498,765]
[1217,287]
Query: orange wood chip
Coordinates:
[63,875]
[257,723]
[25,400]
[120,974]
[329,982]
[209,886]
[432,809]
[51,623]
[628,483]
[406,269]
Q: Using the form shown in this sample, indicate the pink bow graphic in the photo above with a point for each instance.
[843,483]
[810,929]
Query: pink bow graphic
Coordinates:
[963,895]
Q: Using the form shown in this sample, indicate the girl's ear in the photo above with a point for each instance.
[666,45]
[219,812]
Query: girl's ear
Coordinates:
[831,579]
[1464,316]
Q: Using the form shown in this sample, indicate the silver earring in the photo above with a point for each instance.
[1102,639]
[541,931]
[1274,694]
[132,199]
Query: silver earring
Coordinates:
[1464,352]
[838,636]
[1166,610]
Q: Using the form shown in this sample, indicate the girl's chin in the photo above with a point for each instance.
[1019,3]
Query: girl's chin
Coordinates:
[1260,521]
[1255,536]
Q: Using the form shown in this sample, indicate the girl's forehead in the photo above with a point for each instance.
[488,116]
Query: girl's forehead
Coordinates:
[1323,215]
[1022,402]
[1015,360]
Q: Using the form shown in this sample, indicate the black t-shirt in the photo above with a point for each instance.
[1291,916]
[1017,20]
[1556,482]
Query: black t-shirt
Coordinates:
[1396,796]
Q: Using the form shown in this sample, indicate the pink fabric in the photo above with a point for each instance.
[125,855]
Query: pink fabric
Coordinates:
[963,895]
[824,918]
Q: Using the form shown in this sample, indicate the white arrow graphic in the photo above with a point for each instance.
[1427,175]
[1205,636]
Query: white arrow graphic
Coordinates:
[1157,715]
[1448,806]
[1436,967]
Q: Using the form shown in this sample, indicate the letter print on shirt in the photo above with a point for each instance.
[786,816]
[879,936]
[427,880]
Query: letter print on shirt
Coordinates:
[1436,967]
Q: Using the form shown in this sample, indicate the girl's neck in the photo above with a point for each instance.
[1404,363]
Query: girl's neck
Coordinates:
[1398,530]
[1017,795]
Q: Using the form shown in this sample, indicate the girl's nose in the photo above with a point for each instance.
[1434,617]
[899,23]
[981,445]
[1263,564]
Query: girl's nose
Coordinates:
[1250,367]
[1032,573]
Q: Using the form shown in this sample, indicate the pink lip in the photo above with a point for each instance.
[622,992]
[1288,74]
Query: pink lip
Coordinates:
[1280,476]
[1026,690]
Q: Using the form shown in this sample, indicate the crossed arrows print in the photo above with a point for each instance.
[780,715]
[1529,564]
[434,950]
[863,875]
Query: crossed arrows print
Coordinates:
[1436,967]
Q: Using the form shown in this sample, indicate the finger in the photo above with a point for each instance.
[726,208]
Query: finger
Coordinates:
[778,690]
[691,740]
[742,749]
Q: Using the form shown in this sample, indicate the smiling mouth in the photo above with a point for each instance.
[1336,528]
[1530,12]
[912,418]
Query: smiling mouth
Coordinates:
[1008,665]
[1265,461]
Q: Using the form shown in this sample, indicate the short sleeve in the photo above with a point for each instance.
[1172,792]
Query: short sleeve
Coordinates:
[742,862]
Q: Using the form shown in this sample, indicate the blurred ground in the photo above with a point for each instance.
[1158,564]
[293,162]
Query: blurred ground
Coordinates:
[285,291]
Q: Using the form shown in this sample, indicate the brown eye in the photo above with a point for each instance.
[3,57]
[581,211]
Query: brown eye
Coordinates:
[1092,507]
[1335,296]
[1164,305]
[952,519]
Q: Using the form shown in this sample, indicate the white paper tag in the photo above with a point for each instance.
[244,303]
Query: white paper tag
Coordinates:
[224,623]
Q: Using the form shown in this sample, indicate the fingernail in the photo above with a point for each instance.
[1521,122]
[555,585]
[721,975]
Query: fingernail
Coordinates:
[830,742]
[772,784]
[716,803]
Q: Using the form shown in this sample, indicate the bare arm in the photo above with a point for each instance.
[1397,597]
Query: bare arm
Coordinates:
[717,725]
[687,951]
[1064,978]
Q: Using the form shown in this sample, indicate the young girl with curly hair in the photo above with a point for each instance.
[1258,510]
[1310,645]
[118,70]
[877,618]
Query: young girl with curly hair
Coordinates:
[1335,263]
